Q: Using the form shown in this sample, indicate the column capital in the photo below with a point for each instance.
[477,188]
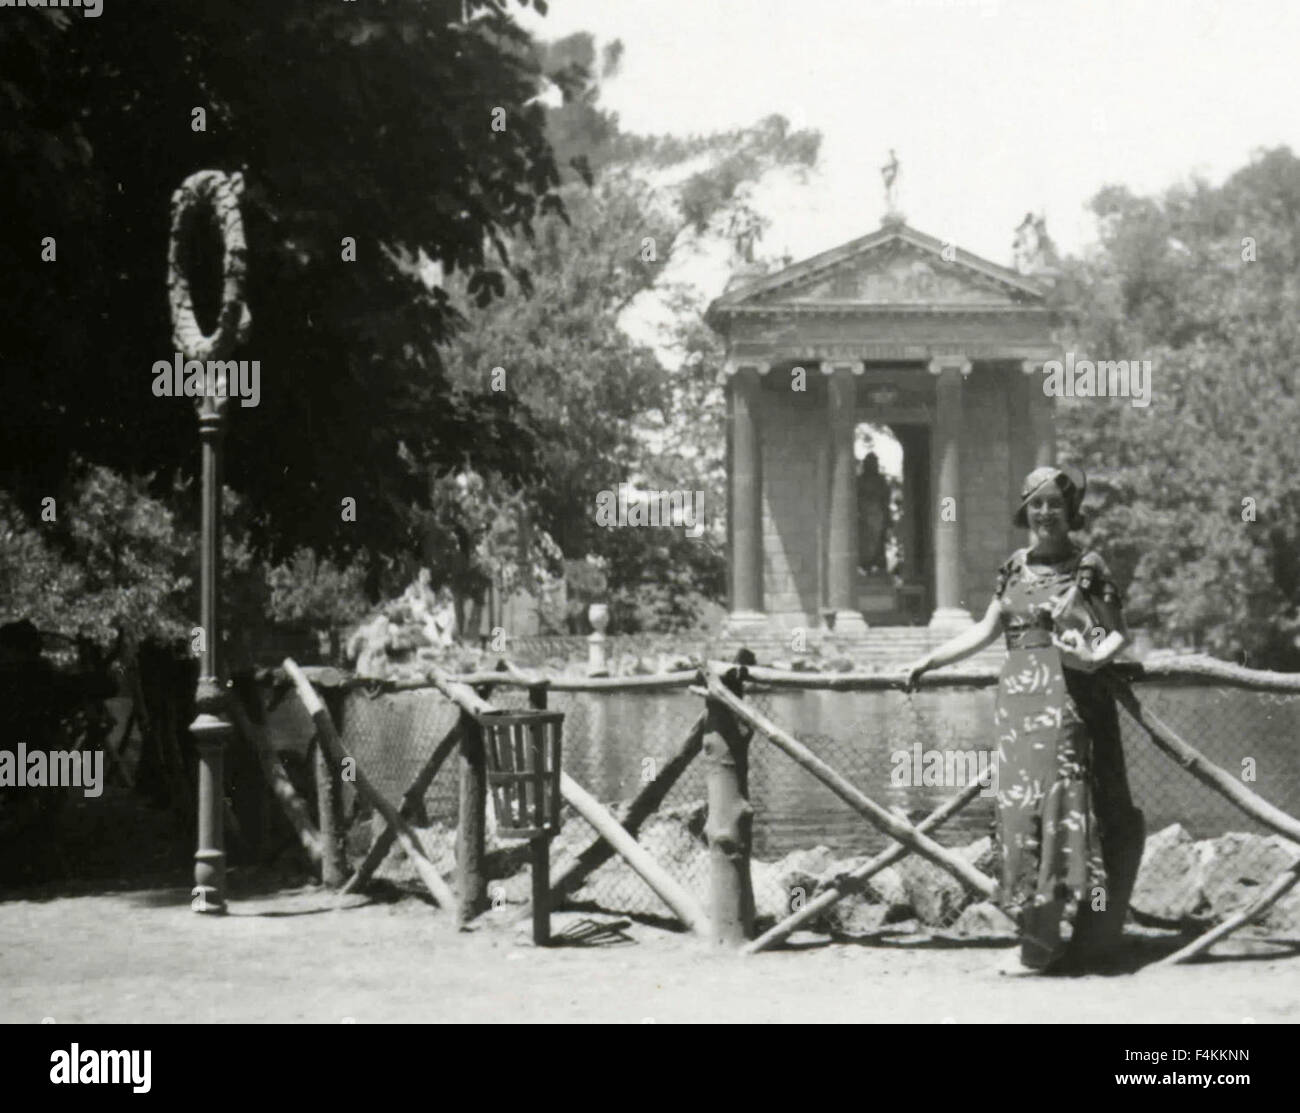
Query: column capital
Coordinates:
[830,366]
[731,367]
[1035,363]
[960,363]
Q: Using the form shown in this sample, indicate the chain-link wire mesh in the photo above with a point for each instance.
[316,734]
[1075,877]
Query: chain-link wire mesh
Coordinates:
[1204,858]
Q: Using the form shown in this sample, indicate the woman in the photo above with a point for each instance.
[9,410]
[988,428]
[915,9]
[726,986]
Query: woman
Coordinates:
[1069,837]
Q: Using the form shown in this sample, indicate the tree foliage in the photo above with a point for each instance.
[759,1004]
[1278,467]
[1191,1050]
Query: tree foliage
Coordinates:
[1197,494]
[601,407]
[347,120]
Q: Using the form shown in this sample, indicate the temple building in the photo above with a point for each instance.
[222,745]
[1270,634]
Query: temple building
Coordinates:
[896,330]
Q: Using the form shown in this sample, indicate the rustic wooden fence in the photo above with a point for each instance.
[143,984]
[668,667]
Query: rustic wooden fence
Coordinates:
[722,733]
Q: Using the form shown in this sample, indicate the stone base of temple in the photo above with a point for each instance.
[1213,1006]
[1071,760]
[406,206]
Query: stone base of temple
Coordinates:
[778,641]
[848,625]
[740,623]
[951,620]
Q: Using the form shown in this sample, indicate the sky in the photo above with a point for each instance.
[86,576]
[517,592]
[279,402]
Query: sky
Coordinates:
[994,107]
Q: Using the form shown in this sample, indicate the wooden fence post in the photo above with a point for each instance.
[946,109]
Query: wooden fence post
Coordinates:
[540,851]
[329,807]
[471,829]
[730,824]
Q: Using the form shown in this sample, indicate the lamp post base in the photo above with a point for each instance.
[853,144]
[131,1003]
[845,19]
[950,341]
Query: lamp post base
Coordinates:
[210,734]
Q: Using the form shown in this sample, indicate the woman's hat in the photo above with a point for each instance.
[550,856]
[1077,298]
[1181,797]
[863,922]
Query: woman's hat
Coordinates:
[1069,480]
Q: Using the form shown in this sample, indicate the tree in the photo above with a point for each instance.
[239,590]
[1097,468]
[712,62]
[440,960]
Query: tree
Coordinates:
[1199,506]
[601,408]
[113,558]
[373,123]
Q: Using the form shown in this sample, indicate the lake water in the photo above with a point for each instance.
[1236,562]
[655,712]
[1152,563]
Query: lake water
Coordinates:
[614,742]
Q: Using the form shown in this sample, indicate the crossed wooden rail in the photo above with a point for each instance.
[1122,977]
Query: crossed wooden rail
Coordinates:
[717,733]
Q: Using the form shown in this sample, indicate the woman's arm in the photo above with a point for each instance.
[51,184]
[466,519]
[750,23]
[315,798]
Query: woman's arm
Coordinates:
[1108,634]
[1076,653]
[962,645]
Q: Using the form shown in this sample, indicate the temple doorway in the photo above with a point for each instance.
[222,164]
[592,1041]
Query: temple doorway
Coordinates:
[879,459]
[892,473]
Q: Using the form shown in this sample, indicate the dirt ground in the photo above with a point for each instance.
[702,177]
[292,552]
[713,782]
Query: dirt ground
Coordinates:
[298,956]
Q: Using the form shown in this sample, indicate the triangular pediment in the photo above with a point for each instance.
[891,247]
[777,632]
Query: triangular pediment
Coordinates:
[896,267]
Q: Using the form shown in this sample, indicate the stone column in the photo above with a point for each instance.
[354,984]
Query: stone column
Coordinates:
[1041,408]
[948,517]
[746,501]
[842,524]
[915,482]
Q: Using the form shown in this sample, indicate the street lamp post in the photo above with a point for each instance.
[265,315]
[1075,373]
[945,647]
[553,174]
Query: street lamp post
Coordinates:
[209,190]
[211,728]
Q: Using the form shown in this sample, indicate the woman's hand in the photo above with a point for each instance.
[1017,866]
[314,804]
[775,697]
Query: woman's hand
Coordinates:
[913,673]
[1075,652]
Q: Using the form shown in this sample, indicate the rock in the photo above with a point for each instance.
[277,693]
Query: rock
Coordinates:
[983,921]
[883,899]
[934,894]
[982,855]
[670,842]
[673,837]
[854,916]
[887,888]
[1238,866]
[802,870]
[1169,881]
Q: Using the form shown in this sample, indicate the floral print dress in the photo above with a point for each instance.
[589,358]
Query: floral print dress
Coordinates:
[1065,821]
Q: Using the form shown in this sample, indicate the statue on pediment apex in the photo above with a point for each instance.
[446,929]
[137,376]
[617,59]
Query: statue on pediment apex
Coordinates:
[890,174]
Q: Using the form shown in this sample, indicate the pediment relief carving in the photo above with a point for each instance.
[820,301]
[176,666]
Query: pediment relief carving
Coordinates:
[897,278]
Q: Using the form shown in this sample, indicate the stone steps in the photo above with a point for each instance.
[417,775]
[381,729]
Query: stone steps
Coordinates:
[883,648]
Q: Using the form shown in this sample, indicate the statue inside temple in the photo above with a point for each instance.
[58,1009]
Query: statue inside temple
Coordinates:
[873,515]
